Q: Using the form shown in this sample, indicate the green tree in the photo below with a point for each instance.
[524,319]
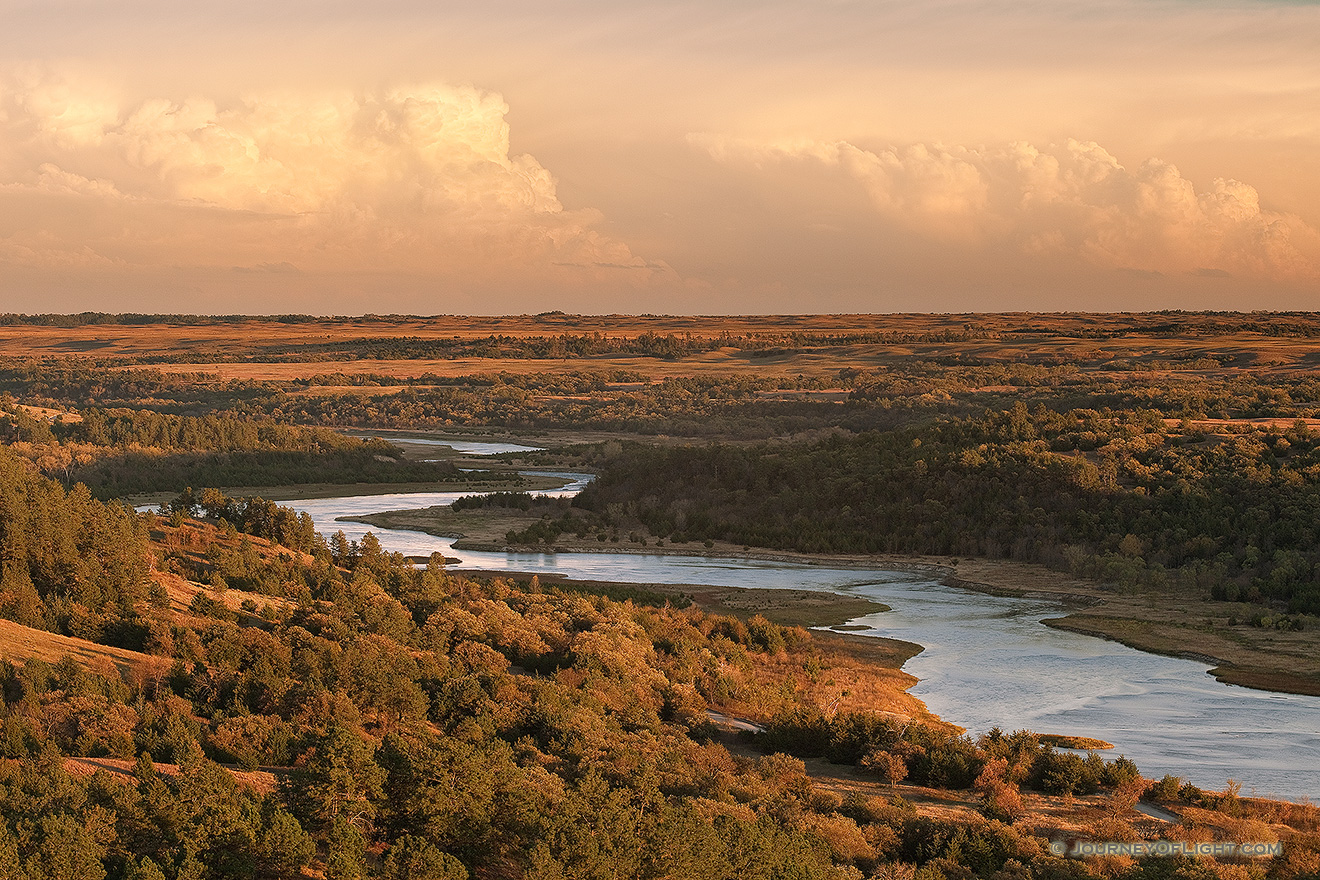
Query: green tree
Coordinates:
[415,858]
[336,780]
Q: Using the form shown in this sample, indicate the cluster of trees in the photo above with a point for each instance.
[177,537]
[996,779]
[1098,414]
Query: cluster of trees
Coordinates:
[251,516]
[1115,495]
[79,383]
[515,500]
[69,563]
[18,426]
[131,473]
[402,726]
[407,750]
[117,452]
[687,407]
[896,750]
[216,432]
[558,516]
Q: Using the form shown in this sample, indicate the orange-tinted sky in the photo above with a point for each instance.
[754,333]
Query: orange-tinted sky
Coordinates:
[836,155]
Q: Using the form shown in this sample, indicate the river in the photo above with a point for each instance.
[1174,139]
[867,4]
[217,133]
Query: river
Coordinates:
[988,661]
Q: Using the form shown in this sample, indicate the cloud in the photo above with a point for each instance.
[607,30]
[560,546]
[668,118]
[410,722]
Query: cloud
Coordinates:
[416,180]
[1070,202]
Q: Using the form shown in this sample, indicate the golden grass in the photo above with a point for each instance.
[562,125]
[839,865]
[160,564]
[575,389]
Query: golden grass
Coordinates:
[19,643]
[831,678]
[182,592]
[48,414]
[260,781]
[1068,741]
[1054,337]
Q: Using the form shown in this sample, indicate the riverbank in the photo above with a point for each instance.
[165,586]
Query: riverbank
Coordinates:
[295,491]
[987,660]
[1174,622]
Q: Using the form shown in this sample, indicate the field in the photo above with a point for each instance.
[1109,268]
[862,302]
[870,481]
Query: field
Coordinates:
[816,346]
[19,643]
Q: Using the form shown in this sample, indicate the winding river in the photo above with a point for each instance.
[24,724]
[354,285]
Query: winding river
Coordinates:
[987,662]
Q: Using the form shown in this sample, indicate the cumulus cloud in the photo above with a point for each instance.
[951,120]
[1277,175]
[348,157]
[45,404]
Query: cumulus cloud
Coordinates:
[413,180]
[1069,202]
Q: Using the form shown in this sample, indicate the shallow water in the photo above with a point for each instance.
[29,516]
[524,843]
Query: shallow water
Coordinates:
[987,660]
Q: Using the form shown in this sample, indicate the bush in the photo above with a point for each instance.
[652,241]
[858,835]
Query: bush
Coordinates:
[1165,790]
[853,735]
[1064,773]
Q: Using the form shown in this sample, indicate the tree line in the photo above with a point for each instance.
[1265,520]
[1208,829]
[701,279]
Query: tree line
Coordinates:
[1120,496]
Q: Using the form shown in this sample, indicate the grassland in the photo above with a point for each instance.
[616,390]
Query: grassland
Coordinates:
[19,643]
[1224,373]
[808,345]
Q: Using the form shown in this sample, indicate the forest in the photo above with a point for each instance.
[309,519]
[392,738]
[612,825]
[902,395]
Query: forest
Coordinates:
[119,452]
[1117,496]
[355,716]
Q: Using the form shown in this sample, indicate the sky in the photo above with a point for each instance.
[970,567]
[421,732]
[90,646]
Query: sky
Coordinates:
[406,156]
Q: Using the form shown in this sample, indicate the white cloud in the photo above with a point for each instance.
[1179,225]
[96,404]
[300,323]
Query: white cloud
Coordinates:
[1073,201]
[414,180]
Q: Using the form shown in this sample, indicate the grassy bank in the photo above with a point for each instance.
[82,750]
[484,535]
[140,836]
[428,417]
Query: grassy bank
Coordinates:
[335,490]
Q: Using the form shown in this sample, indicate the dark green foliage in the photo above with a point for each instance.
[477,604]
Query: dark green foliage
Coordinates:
[147,451]
[1164,790]
[68,562]
[255,516]
[416,858]
[980,849]
[853,735]
[1237,517]
[516,500]
[1067,773]
[335,782]
[802,732]
[122,428]
[16,426]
